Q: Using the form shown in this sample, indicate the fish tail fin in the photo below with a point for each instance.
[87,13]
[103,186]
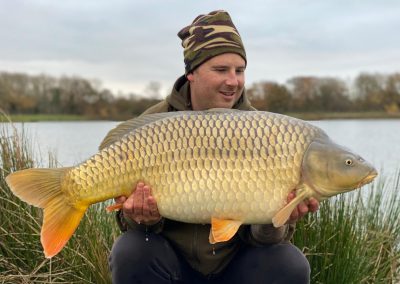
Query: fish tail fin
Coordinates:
[42,188]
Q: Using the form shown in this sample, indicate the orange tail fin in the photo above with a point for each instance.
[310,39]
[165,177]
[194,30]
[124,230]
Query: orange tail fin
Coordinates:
[42,188]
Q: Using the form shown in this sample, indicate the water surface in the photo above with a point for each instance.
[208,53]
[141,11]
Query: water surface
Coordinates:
[377,141]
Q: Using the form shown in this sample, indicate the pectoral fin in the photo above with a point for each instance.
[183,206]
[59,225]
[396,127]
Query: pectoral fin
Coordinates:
[223,230]
[283,215]
[114,207]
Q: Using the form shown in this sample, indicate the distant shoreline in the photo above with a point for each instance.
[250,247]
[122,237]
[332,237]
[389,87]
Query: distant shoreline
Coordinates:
[344,115]
[304,116]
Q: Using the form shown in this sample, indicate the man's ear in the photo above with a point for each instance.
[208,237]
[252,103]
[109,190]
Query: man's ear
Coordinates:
[190,77]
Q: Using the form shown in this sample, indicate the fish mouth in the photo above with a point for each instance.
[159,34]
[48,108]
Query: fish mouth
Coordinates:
[370,177]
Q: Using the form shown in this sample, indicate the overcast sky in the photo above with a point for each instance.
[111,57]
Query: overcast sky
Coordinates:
[128,43]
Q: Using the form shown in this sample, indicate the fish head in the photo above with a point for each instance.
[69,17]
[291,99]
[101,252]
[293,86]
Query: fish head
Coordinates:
[330,169]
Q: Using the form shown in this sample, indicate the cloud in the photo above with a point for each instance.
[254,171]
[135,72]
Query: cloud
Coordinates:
[127,44]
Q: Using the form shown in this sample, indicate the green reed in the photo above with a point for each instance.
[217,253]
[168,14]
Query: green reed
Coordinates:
[353,238]
[83,260]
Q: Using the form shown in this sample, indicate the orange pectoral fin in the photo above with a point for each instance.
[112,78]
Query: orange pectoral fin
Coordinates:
[223,230]
[283,215]
[114,207]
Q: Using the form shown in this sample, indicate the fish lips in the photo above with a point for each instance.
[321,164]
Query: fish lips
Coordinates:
[369,178]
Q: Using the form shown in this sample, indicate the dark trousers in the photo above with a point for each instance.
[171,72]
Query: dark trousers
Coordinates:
[135,260]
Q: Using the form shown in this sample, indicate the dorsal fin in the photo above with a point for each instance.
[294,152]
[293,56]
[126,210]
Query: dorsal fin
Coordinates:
[125,127]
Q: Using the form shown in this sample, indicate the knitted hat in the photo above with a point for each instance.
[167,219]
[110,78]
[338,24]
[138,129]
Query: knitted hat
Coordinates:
[208,36]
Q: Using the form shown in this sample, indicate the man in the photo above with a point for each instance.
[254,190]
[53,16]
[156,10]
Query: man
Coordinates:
[158,250]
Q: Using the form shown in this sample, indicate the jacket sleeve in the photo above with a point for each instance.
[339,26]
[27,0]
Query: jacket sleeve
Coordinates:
[259,235]
[125,223]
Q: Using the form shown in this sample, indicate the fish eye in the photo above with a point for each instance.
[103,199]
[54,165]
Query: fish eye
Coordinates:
[349,162]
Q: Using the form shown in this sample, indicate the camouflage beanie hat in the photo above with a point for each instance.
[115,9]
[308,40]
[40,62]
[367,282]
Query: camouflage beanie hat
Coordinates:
[208,36]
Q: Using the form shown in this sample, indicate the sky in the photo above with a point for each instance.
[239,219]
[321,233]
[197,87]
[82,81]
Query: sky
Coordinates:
[126,44]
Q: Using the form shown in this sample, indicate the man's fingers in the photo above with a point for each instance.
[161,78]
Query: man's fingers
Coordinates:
[150,210]
[291,196]
[132,206]
[153,207]
[146,193]
[294,216]
[141,205]
[152,204]
[128,205]
[313,205]
[303,208]
[307,205]
[138,193]
[120,199]
[138,200]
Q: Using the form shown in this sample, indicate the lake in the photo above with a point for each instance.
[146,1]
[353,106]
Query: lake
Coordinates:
[377,141]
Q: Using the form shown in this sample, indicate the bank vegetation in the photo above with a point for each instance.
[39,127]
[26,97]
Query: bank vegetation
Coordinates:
[368,94]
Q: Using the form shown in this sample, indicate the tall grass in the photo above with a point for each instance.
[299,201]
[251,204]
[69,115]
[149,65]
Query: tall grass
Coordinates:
[84,260]
[353,238]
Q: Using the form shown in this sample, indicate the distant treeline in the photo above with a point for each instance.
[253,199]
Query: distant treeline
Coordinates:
[367,92]
[25,94]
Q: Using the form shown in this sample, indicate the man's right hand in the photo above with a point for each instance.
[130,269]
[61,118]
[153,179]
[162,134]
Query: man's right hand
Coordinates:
[140,206]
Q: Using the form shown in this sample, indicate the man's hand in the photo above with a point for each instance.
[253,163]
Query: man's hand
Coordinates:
[310,205]
[140,206]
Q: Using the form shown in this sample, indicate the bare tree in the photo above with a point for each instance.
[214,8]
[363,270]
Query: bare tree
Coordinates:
[152,90]
[270,96]
[370,90]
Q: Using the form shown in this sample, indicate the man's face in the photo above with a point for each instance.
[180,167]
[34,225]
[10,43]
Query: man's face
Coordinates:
[218,82]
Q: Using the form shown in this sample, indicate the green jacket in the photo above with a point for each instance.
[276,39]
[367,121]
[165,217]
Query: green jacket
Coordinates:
[191,240]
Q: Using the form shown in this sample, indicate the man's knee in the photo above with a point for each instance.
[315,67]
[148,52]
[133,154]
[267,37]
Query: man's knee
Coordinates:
[130,248]
[280,263]
[136,257]
[293,262]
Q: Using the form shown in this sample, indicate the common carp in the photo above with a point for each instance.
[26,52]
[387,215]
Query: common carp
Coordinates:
[224,167]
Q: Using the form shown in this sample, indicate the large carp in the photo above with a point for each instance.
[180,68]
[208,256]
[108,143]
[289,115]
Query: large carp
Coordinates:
[222,167]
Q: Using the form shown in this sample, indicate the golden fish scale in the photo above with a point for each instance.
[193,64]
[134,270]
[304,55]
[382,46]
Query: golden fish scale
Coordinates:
[228,165]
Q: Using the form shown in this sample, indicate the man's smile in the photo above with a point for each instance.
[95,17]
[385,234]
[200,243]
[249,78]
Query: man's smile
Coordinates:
[228,94]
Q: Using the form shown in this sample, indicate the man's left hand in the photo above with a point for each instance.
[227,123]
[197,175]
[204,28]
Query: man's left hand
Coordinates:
[309,205]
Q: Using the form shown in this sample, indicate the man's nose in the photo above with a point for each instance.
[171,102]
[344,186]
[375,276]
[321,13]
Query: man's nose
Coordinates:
[232,79]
